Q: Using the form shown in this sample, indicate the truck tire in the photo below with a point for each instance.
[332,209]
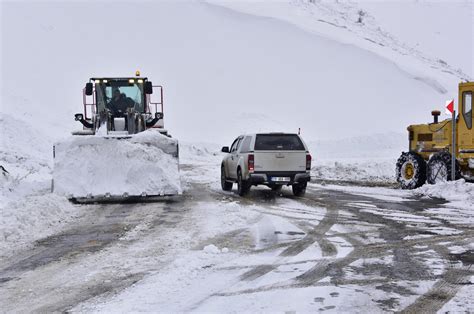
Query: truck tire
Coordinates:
[242,185]
[226,185]
[439,168]
[299,189]
[411,170]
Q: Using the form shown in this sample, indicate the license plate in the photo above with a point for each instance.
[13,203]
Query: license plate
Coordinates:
[280,179]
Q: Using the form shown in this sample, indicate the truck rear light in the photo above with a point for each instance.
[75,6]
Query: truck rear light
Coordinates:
[251,163]
[308,162]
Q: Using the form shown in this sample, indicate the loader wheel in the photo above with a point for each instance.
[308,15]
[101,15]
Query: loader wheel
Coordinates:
[439,168]
[299,189]
[226,185]
[411,170]
[242,186]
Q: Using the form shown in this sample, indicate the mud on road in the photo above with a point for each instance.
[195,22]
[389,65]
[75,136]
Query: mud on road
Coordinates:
[393,252]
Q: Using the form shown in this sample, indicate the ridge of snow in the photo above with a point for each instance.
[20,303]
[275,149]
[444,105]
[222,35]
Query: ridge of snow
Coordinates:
[339,21]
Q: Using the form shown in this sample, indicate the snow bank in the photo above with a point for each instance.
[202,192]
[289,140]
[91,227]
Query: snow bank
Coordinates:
[25,152]
[363,171]
[33,217]
[94,165]
[28,211]
[459,192]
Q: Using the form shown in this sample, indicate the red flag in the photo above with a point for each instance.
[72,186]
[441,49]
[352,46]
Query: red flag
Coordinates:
[450,107]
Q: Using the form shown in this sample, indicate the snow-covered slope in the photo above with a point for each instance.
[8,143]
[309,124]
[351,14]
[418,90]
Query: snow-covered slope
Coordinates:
[391,30]
[445,32]
[216,64]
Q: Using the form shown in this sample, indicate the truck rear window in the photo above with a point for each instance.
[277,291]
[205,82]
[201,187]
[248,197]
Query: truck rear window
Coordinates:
[278,142]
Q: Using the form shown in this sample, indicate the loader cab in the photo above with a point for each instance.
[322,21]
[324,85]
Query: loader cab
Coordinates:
[465,132]
[118,95]
[135,95]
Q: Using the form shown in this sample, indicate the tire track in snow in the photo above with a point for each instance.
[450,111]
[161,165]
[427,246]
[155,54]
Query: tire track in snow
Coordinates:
[394,233]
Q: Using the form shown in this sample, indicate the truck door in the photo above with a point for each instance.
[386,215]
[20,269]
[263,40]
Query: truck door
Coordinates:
[466,131]
[234,158]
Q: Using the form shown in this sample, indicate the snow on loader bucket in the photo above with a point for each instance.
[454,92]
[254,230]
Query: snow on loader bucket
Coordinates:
[123,152]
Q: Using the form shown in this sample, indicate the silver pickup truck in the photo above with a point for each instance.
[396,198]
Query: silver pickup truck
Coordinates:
[271,159]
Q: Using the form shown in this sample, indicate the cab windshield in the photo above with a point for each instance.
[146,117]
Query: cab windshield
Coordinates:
[120,95]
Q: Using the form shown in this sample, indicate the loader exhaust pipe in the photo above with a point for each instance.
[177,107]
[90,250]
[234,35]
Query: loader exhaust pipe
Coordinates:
[435,114]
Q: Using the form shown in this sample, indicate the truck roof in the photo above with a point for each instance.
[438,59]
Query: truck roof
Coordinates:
[119,78]
[268,133]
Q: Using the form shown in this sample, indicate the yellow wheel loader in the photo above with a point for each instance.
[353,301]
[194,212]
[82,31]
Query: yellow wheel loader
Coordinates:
[430,147]
[123,152]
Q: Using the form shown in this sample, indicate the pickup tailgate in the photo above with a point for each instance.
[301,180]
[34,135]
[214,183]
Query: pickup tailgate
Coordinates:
[280,161]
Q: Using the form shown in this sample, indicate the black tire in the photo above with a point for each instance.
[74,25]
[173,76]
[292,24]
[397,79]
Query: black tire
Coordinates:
[411,170]
[276,188]
[242,186]
[299,189]
[226,185]
[439,168]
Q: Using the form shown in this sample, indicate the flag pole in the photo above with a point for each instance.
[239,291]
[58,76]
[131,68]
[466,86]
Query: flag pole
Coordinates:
[453,153]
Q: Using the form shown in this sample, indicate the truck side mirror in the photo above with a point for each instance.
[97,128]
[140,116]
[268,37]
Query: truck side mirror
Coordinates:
[89,88]
[78,117]
[148,88]
[225,149]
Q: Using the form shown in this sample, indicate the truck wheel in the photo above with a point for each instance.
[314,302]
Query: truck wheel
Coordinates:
[226,185]
[299,189]
[411,170]
[439,168]
[242,186]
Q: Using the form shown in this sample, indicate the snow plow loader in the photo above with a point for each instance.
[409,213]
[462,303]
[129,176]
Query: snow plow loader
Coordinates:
[123,152]
[429,158]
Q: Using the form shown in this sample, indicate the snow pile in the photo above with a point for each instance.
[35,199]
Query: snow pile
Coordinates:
[459,192]
[94,165]
[25,152]
[356,171]
[25,156]
[33,217]
[199,153]
[28,210]
[212,249]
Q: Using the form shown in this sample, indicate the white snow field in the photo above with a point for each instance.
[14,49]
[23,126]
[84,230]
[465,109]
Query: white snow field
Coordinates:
[215,64]
[228,67]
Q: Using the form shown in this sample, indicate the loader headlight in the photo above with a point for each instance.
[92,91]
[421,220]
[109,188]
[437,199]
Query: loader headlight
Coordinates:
[79,116]
[131,81]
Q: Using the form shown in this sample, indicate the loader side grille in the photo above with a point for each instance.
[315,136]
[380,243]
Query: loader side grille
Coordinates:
[425,137]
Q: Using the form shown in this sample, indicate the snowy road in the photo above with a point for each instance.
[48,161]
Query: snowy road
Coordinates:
[339,249]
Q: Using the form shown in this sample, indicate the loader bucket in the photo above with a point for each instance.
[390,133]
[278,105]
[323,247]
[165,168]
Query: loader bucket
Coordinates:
[95,168]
